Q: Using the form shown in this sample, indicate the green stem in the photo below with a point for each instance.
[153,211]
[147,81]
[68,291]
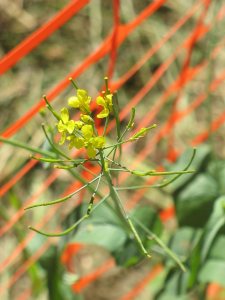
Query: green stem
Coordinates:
[15,143]
[55,114]
[106,125]
[120,209]
[154,173]
[63,199]
[73,83]
[68,230]
[52,145]
[161,244]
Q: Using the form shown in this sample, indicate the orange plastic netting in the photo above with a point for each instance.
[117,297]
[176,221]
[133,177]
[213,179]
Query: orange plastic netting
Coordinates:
[110,46]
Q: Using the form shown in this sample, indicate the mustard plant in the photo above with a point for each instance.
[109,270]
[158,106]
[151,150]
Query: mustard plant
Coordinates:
[82,134]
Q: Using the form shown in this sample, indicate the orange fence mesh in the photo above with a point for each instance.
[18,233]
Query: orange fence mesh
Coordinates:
[110,46]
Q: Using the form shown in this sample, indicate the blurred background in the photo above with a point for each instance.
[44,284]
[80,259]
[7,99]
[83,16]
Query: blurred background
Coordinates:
[166,58]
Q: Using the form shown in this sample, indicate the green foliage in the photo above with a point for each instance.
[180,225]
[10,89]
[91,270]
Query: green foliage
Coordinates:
[199,241]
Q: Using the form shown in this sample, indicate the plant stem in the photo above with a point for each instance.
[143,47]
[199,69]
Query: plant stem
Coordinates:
[15,143]
[161,244]
[68,230]
[120,209]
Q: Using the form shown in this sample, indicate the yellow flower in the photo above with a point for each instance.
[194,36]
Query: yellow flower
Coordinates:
[87,131]
[106,103]
[93,144]
[87,140]
[77,142]
[98,142]
[65,125]
[81,101]
[78,124]
[86,119]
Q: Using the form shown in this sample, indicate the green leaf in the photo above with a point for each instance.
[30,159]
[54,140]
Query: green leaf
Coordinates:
[105,214]
[175,287]
[184,240]
[148,217]
[108,236]
[213,271]
[215,251]
[194,204]
[129,254]
[200,159]
[214,225]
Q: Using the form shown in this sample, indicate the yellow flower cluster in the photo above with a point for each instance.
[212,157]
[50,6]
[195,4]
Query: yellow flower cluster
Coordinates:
[106,103]
[82,133]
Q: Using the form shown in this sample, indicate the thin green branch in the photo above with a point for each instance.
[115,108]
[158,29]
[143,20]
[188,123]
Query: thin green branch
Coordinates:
[167,182]
[65,232]
[52,145]
[63,199]
[155,173]
[161,244]
[106,125]
[68,230]
[163,184]
[121,211]
[57,116]
[91,203]
[15,143]
[73,83]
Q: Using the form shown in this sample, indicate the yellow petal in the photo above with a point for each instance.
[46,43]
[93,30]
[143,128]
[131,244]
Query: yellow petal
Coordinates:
[86,119]
[78,142]
[98,142]
[74,102]
[78,124]
[64,115]
[103,114]
[87,131]
[70,126]
[100,101]
[61,127]
[63,138]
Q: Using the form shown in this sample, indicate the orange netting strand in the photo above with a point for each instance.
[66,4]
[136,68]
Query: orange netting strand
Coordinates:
[68,253]
[83,282]
[13,180]
[169,212]
[173,87]
[200,138]
[171,152]
[15,253]
[37,37]
[153,50]
[199,100]
[25,295]
[20,212]
[156,270]
[164,129]
[6,228]
[165,215]
[219,121]
[133,70]
[113,51]
[170,209]
[124,31]
[25,266]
